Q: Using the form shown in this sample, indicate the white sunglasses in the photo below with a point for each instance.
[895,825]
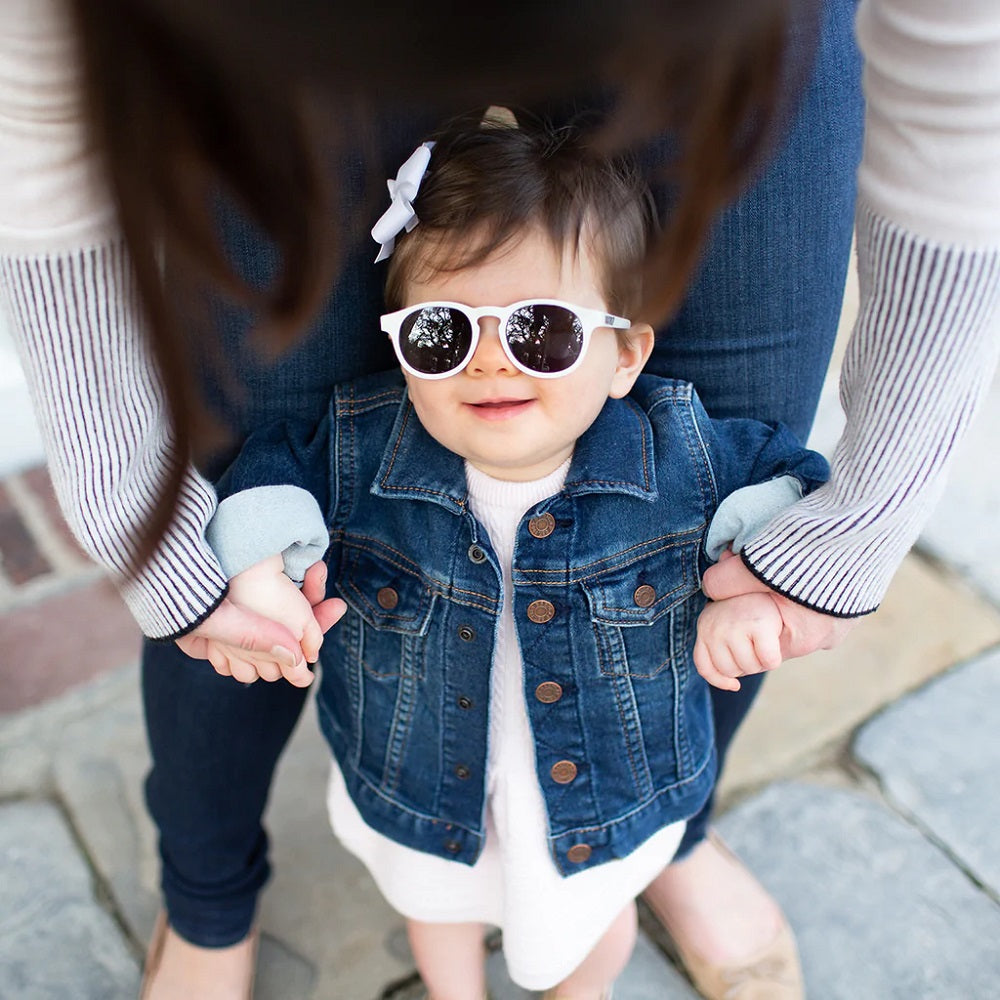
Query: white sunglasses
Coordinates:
[544,338]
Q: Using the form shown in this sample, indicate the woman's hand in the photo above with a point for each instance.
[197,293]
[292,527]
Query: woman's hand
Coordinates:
[241,642]
[803,630]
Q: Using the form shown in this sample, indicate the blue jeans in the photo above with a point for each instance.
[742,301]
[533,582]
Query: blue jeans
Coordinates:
[754,335]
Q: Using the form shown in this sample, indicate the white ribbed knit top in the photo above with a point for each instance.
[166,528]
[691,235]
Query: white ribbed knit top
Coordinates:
[921,356]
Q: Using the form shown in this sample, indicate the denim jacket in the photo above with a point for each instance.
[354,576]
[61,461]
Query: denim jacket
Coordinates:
[606,578]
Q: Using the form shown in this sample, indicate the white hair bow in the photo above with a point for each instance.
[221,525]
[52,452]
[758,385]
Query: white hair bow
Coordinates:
[400,215]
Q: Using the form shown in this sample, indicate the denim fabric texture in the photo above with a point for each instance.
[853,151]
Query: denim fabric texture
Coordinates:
[756,330]
[754,335]
[405,682]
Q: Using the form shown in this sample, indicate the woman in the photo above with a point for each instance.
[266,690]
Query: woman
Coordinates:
[161,80]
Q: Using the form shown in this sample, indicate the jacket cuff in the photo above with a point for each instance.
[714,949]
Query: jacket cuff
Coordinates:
[743,514]
[251,525]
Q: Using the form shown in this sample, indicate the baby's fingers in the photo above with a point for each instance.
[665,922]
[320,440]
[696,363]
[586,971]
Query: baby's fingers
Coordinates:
[329,612]
[767,649]
[312,639]
[705,664]
[242,665]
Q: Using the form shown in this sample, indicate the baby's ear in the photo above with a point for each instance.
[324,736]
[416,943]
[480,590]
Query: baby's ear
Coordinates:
[634,348]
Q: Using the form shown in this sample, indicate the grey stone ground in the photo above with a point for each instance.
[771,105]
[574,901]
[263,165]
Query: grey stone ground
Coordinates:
[864,794]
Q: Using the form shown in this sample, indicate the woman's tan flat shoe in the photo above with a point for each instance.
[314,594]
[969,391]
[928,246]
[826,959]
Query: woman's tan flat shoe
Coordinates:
[154,959]
[771,973]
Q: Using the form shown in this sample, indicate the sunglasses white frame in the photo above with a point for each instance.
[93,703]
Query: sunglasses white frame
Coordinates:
[590,320]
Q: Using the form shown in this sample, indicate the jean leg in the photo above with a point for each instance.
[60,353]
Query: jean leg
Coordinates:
[214,742]
[755,333]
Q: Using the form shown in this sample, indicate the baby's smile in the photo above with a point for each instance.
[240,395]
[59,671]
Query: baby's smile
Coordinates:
[500,408]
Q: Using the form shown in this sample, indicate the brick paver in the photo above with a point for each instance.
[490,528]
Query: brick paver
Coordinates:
[61,622]
[38,482]
[62,641]
[21,560]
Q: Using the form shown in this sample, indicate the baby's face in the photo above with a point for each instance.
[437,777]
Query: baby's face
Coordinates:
[506,423]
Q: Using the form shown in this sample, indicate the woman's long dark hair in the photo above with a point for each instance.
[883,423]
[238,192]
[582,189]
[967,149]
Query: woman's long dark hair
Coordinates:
[187,98]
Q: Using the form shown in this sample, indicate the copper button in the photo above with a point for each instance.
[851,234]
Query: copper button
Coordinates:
[548,692]
[644,595]
[387,598]
[541,611]
[579,853]
[563,771]
[542,526]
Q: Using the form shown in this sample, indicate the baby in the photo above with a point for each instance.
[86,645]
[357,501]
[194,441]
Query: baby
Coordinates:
[517,524]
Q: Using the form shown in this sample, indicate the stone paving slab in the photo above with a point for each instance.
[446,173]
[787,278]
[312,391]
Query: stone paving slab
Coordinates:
[936,756]
[56,942]
[29,739]
[926,625]
[880,913]
[326,930]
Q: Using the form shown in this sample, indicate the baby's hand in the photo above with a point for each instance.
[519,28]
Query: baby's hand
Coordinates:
[265,589]
[738,636]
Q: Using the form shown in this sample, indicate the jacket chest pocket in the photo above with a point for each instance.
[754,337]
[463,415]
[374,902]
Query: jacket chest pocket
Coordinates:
[644,613]
[389,611]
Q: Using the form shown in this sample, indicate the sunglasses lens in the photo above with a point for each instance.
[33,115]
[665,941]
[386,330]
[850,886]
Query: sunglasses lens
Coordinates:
[545,338]
[435,340]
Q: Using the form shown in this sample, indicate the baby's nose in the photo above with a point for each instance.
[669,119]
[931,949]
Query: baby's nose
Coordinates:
[490,357]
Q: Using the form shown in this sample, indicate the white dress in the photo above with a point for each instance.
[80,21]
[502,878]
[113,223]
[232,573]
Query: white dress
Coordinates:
[549,923]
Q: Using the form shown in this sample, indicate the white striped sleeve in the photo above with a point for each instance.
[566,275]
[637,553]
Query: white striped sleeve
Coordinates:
[925,344]
[75,317]
[919,362]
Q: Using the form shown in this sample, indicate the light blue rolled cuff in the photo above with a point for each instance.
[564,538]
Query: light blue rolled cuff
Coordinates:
[744,514]
[251,525]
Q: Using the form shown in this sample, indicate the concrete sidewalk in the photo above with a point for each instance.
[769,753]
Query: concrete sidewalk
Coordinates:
[863,791]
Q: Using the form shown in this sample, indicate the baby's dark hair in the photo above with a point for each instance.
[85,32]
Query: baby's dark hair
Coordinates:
[491,179]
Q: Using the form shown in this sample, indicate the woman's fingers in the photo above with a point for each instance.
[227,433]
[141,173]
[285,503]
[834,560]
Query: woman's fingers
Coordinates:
[266,670]
[236,627]
[242,670]
[215,655]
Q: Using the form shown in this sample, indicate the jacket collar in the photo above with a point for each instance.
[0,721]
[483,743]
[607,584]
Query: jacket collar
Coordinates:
[615,455]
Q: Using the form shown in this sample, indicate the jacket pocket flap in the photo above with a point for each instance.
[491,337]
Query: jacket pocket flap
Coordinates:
[386,593]
[640,592]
